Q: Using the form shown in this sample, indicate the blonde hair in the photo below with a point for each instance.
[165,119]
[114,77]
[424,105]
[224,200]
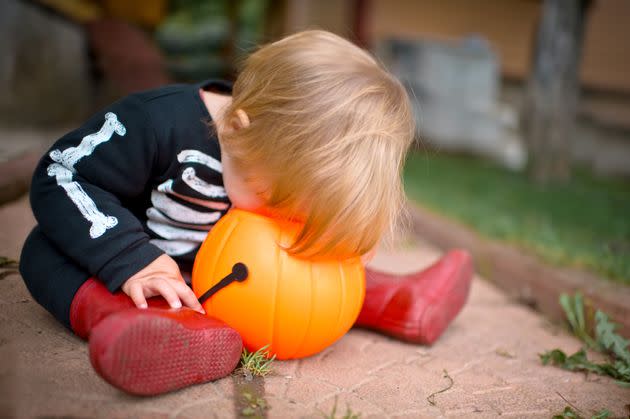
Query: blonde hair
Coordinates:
[330,128]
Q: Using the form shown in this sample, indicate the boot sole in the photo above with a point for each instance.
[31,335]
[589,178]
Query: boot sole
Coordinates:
[147,354]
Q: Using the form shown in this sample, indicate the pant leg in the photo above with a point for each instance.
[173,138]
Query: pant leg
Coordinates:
[50,276]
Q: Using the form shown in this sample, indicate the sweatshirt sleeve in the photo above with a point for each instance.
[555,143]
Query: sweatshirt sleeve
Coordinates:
[82,183]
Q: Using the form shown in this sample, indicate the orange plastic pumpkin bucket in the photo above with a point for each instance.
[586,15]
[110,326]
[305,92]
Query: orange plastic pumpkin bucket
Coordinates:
[296,306]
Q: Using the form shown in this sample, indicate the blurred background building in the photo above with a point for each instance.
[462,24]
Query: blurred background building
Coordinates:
[465,63]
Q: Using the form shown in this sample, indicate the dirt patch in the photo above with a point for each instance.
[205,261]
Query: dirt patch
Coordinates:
[249,396]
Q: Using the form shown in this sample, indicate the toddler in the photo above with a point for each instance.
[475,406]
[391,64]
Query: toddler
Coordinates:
[313,130]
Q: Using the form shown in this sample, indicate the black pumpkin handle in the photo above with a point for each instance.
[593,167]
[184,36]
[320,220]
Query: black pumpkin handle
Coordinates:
[239,273]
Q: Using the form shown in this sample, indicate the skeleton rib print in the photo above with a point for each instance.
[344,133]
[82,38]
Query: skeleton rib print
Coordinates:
[180,221]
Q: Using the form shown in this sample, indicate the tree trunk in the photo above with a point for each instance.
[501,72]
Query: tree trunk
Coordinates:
[552,92]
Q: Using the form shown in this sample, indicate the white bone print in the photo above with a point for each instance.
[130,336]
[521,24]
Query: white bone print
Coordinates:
[155,215]
[71,155]
[87,207]
[182,229]
[175,233]
[196,156]
[189,176]
[167,188]
[63,169]
[179,212]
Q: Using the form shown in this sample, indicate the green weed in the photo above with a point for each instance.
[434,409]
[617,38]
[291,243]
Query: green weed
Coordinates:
[605,340]
[571,413]
[256,363]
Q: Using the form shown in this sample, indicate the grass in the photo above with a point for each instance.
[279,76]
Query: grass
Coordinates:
[256,364]
[585,223]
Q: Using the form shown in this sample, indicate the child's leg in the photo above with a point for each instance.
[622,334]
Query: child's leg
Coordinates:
[417,307]
[51,278]
[148,351]
[64,289]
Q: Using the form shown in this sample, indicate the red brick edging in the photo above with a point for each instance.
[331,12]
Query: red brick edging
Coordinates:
[523,276]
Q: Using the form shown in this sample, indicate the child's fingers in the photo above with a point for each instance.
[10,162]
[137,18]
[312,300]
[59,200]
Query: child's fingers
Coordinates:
[136,293]
[187,296]
[165,289]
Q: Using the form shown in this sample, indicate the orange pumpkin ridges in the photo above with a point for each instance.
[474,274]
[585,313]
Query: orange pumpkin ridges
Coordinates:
[269,307]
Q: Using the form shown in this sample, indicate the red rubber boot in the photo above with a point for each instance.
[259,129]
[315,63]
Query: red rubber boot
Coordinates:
[154,350]
[417,307]
[93,302]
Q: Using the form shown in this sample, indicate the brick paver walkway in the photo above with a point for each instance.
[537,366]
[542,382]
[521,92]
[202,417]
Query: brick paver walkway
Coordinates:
[490,353]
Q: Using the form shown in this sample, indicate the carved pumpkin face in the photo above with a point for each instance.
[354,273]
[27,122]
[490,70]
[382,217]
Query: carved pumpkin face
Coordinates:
[296,306]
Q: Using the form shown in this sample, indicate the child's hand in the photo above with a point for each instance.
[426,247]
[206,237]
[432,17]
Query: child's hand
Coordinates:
[161,277]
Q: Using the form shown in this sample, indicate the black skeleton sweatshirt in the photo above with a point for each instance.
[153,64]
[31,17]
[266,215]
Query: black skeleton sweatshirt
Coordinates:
[141,178]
